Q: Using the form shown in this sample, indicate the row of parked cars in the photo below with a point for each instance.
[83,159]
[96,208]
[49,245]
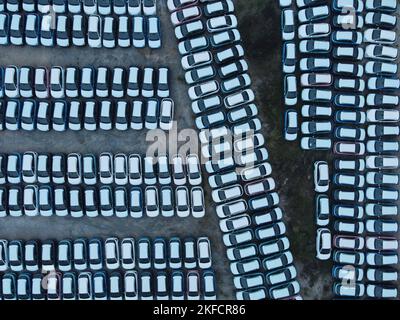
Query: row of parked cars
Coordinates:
[381,185]
[86,82]
[247,203]
[88,7]
[94,31]
[108,254]
[350,136]
[90,115]
[120,169]
[362,200]
[100,285]
[344,72]
[122,202]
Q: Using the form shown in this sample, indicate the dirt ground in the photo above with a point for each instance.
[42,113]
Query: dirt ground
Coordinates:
[260,29]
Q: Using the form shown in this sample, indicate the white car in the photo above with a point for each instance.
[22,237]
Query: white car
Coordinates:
[118,83]
[203,90]
[29,165]
[315,46]
[313,13]
[94,31]
[322,210]
[15,256]
[26,82]
[151,202]
[312,143]
[189,29]
[151,116]
[46,31]
[138,32]
[381,292]
[111,253]
[108,39]
[104,7]
[380,36]
[196,59]
[381,52]
[179,4]
[382,162]
[197,204]
[227,193]
[120,169]
[316,79]
[41,83]
[383,83]
[321,176]
[377,67]
[106,168]
[71,82]
[382,243]
[182,202]
[290,90]
[193,168]
[316,127]
[87,82]
[204,253]
[239,98]
[124,37]
[315,64]
[185,15]
[316,95]
[314,30]
[193,45]
[119,7]
[258,293]
[153,32]
[383,115]
[32,30]
[74,169]
[62,32]
[287,25]
[166,114]
[102,85]
[78,32]
[381,5]
[135,7]
[221,23]
[148,85]
[31,201]
[289,57]
[235,223]
[380,19]
[339,5]
[149,7]
[350,53]
[57,81]
[11,82]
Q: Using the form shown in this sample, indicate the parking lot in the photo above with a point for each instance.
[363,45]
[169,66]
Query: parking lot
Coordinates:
[292,168]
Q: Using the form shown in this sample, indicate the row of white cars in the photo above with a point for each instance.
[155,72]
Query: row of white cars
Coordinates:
[108,254]
[247,202]
[109,269]
[87,82]
[77,30]
[363,199]
[382,189]
[82,185]
[90,115]
[105,201]
[332,70]
[106,169]
[88,7]
[100,285]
